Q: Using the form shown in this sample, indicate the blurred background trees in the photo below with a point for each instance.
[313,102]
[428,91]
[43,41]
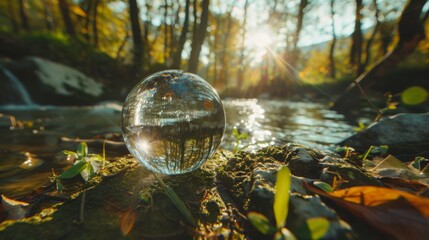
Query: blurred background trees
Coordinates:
[242,47]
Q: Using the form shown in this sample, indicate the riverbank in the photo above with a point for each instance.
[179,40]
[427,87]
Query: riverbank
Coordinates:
[125,201]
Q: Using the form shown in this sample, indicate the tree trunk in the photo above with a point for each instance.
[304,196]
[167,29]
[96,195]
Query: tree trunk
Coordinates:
[372,37]
[47,16]
[11,13]
[357,39]
[88,20]
[177,57]
[198,37]
[411,32]
[332,70]
[94,22]
[165,31]
[240,74]
[174,29]
[224,72]
[65,12]
[293,59]
[137,36]
[216,81]
[23,16]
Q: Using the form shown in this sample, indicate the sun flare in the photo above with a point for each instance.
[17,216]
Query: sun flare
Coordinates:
[259,39]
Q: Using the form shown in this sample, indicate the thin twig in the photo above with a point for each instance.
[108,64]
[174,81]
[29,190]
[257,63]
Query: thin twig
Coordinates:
[367,98]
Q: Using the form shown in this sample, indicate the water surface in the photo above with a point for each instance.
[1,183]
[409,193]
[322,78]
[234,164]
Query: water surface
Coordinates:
[28,154]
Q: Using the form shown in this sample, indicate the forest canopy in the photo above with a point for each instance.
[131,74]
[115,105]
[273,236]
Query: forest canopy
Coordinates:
[242,47]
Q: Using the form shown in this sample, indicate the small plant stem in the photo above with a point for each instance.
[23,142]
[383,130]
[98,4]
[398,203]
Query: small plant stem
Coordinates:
[82,208]
[367,153]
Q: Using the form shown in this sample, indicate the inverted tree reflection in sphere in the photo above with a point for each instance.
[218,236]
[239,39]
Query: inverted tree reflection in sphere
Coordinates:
[173,121]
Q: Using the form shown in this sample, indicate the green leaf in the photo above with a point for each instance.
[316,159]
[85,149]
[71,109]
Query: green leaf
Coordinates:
[324,186]
[74,170]
[59,185]
[67,152]
[417,162]
[318,226]
[414,95]
[261,223]
[284,234]
[315,228]
[281,198]
[96,157]
[82,150]
[243,136]
[235,132]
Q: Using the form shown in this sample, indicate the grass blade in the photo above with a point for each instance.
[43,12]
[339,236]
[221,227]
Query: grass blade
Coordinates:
[180,205]
[281,198]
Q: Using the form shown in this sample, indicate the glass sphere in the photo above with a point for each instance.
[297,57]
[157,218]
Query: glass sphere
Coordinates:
[172,122]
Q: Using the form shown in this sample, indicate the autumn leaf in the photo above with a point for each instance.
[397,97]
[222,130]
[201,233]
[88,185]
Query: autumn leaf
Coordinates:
[398,214]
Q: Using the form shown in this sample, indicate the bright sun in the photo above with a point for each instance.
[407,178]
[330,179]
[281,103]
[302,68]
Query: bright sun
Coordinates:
[259,40]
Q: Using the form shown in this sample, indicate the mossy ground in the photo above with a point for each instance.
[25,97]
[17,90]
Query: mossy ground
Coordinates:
[125,201]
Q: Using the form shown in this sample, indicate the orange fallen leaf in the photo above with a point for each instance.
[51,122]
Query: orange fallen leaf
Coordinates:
[398,214]
[127,221]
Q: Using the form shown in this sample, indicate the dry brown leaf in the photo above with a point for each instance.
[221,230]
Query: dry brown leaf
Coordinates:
[127,221]
[411,186]
[398,214]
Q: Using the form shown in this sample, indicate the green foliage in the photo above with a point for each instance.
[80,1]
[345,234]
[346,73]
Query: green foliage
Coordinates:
[281,198]
[344,150]
[417,163]
[85,164]
[324,186]
[315,228]
[376,150]
[360,128]
[414,95]
[238,137]
[261,223]
[74,170]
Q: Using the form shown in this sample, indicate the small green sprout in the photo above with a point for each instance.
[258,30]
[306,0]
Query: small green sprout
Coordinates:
[418,163]
[238,136]
[314,228]
[376,150]
[85,164]
[361,126]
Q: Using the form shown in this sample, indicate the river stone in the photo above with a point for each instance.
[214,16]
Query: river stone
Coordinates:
[52,83]
[404,129]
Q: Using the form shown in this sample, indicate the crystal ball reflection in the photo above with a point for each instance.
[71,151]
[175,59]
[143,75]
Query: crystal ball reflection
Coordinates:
[172,122]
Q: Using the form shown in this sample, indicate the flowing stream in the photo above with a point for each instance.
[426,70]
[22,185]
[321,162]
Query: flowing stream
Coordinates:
[28,154]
